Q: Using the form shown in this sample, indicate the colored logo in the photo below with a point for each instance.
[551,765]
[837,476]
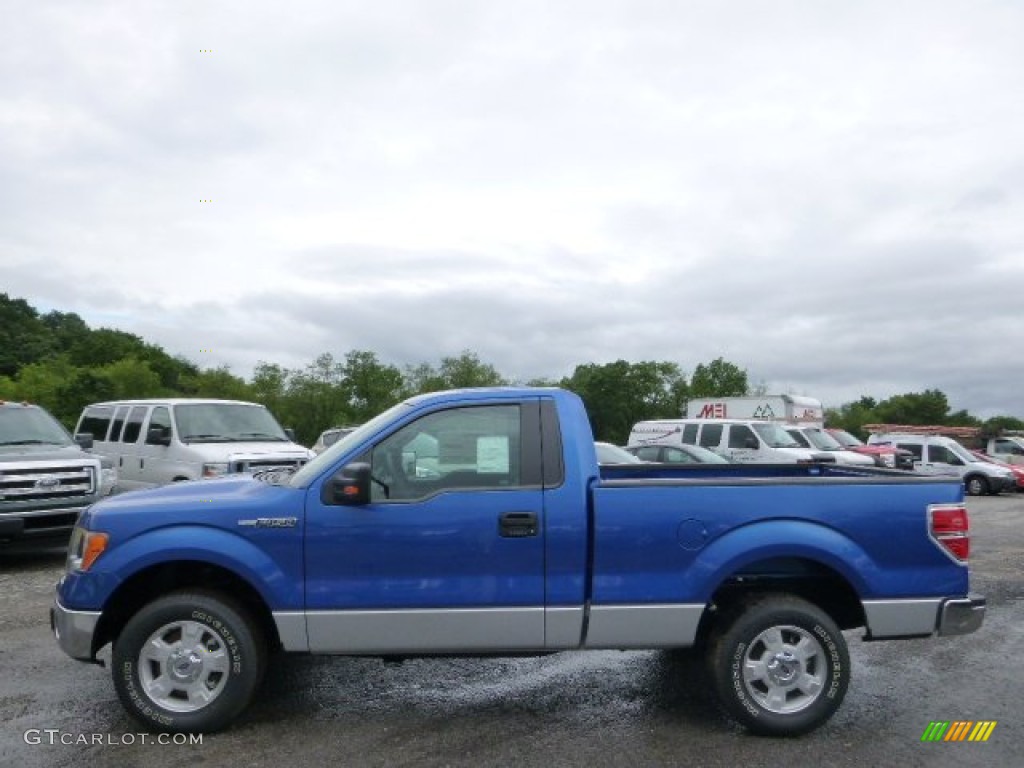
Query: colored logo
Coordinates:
[958,730]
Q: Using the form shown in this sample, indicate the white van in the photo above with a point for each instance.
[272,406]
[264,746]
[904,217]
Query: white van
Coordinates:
[817,439]
[739,440]
[936,455]
[153,442]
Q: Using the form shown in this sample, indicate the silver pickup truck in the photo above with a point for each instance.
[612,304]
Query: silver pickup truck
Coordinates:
[46,478]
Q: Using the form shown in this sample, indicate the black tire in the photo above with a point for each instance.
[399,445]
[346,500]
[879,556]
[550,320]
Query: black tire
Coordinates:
[976,485]
[789,689]
[204,660]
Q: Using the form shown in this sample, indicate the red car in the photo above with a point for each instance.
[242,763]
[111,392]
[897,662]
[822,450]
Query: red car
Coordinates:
[884,455]
[1017,469]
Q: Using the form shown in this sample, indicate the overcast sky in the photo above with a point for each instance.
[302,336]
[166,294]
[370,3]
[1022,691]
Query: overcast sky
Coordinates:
[829,194]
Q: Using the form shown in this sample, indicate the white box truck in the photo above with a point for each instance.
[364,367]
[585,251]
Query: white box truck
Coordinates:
[792,409]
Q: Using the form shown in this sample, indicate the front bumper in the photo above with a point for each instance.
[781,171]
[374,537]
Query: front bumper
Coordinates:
[74,630]
[962,616]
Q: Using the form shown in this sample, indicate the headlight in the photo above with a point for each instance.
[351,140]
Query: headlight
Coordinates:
[216,469]
[889,459]
[84,547]
[108,476]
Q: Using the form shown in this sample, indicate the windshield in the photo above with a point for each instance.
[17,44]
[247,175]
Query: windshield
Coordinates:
[704,456]
[314,467]
[845,439]
[822,440]
[962,453]
[612,454]
[775,436]
[227,423]
[26,425]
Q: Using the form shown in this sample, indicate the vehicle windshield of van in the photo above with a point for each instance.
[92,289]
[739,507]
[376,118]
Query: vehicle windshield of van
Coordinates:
[775,436]
[30,426]
[227,423]
[845,439]
[961,453]
[822,440]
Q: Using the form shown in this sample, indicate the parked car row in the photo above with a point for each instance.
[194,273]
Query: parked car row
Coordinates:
[785,429]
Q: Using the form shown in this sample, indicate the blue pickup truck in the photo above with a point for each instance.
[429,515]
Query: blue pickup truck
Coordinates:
[479,522]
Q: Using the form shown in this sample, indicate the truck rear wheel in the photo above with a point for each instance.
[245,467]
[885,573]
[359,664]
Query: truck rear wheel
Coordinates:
[779,665]
[189,662]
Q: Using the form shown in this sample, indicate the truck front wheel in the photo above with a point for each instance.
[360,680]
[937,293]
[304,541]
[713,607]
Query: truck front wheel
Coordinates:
[779,665]
[189,662]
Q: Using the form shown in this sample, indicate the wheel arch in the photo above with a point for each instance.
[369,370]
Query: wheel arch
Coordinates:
[801,558]
[162,578]
[803,577]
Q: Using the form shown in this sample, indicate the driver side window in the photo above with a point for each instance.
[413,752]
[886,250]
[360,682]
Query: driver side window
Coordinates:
[457,449]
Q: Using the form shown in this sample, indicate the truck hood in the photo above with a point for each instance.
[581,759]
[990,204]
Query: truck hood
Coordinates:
[44,453]
[220,503]
[214,452]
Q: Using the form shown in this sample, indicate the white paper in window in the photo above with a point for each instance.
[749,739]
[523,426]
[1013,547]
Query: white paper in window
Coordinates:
[492,454]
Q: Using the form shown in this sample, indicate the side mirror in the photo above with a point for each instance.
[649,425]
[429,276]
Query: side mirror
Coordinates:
[158,436]
[84,440]
[750,442]
[289,433]
[349,486]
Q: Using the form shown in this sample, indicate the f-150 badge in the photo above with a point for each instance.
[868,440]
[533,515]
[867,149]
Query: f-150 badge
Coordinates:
[270,522]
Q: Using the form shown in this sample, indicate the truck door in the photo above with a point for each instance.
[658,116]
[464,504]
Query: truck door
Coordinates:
[449,553]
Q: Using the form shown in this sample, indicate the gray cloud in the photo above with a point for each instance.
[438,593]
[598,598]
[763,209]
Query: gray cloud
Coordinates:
[827,194]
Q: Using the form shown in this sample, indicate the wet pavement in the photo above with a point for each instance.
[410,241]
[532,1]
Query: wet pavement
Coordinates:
[571,709]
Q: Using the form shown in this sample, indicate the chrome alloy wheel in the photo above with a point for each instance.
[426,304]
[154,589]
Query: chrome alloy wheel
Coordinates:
[183,666]
[784,669]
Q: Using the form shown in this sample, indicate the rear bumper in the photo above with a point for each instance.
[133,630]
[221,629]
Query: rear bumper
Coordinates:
[894,619]
[74,630]
[962,616]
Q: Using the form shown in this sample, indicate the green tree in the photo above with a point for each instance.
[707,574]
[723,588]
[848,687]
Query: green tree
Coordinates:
[315,399]
[130,379]
[619,394]
[718,378]
[853,416]
[24,338]
[994,426]
[215,382]
[928,407]
[369,385]
[462,372]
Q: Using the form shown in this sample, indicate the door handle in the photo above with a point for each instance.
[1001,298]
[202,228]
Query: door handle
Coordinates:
[517,525]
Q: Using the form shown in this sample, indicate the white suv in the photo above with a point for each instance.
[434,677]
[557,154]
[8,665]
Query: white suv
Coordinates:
[935,455]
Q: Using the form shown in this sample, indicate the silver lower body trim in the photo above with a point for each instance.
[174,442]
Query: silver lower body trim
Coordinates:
[74,630]
[643,626]
[563,628]
[450,630]
[902,618]
[291,629]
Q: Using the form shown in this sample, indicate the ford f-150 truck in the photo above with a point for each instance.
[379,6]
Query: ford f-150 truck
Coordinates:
[46,478]
[479,522]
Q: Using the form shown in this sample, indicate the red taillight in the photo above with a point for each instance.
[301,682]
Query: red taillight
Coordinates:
[949,527]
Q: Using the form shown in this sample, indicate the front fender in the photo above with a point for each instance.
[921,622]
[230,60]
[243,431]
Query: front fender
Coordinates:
[269,560]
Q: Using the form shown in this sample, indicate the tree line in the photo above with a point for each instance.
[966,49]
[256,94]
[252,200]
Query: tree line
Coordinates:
[56,360]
